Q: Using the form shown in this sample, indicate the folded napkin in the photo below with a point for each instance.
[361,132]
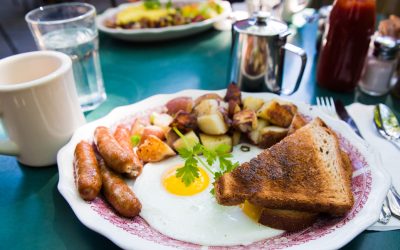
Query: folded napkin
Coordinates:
[390,155]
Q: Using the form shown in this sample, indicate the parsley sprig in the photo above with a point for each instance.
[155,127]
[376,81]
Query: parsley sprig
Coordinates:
[190,171]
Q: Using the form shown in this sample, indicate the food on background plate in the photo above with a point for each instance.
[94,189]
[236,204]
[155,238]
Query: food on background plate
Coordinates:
[179,190]
[154,14]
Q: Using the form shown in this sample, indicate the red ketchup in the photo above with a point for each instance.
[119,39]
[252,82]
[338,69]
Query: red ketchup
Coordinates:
[351,25]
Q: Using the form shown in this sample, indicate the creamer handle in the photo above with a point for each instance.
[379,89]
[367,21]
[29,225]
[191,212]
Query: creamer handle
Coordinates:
[303,56]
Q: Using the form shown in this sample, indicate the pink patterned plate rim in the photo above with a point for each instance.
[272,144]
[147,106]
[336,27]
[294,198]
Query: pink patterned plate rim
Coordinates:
[370,185]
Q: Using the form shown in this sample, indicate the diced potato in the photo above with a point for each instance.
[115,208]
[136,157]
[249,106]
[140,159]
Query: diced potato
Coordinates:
[161,120]
[276,114]
[184,121]
[245,121]
[270,135]
[288,106]
[191,139]
[297,122]
[212,142]
[137,128]
[152,130]
[252,103]
[254,135]
[207,107]
[236,138]
[171,137]
[233,93]
[213,124]
[154,150]
[233,107]
[180,103]
[206,97]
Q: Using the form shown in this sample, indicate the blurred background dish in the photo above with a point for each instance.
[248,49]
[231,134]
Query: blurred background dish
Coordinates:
[161,33]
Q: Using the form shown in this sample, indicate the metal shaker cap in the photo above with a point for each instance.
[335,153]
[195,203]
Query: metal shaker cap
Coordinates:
[385,48]
[261,24]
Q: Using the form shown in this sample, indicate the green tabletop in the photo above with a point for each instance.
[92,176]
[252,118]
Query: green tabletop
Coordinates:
[33,213]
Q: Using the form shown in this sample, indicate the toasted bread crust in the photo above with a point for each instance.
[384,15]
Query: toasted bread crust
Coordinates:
[304,172]
[288,220]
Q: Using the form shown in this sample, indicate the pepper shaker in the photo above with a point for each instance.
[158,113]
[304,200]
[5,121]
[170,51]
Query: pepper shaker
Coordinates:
[379,67]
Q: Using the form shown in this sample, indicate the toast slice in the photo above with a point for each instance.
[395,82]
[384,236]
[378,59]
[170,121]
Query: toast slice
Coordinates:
[292,220]
[304,172]
[288,220]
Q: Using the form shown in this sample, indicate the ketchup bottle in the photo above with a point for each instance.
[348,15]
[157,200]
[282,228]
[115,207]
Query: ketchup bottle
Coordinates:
[351,25]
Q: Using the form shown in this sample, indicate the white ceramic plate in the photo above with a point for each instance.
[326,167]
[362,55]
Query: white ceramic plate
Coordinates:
[370,184]
[159,34]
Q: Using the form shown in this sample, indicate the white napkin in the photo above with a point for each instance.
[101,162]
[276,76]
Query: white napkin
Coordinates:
[363,117]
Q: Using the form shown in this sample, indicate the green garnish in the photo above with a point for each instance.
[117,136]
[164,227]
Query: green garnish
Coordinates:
[190,171]
[152,4]
[135,139]
[169,4]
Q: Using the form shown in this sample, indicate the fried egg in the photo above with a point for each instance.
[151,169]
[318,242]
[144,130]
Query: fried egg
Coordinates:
[191,213]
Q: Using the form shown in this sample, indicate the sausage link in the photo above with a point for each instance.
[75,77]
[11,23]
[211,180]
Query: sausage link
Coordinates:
[122,135]
[87,171]
[112,152]
[118,193]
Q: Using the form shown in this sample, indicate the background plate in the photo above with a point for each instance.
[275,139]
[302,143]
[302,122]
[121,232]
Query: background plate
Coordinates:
[159,34]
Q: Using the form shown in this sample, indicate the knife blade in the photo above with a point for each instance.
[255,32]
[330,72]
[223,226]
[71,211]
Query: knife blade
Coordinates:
[344,115]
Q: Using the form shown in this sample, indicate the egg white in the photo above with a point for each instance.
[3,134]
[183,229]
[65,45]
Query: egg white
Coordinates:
[199,218]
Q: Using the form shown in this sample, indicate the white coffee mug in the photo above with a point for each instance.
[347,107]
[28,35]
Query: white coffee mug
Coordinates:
[38,105]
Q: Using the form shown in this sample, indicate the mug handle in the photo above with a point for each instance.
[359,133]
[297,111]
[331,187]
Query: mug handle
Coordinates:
[303,56]
[7,147]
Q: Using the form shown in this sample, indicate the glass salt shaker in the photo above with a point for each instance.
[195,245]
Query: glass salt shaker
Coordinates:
[379,67]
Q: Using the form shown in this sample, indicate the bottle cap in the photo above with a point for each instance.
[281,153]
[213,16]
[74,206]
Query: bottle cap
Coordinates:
[385,48]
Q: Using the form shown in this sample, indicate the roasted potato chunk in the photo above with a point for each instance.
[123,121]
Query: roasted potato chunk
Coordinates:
[245,121]
[184,121]
[191,140]
[154,150]
[207,107]
[236,138]
[233,93]
[297,122]
[171,137]
[183,103]
[152,130]
[212,142]
[161,120]
[270,135]
[276,114]
[207,97]
[213,124]
[252,103]
[254,135]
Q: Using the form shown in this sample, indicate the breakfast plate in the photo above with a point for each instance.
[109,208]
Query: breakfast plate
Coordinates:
[369,185]
[159,34]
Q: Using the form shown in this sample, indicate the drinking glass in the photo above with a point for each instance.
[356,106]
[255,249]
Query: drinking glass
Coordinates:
[71,28]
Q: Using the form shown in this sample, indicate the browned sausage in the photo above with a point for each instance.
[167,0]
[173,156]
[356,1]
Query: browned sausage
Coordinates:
[88,178]
[118,193]
[122,135]
[115,156]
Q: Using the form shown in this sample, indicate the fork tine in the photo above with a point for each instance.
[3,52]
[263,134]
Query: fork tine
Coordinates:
[333,108]
[318,102]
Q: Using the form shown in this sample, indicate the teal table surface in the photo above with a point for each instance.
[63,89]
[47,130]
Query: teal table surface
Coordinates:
[33,214]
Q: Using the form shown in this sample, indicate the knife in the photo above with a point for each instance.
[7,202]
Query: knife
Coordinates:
[342,113]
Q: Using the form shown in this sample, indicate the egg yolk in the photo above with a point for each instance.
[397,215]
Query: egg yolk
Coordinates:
[252,211]
[174,185]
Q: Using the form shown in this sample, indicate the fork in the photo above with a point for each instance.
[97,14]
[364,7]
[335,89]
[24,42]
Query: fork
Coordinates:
[327,106]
